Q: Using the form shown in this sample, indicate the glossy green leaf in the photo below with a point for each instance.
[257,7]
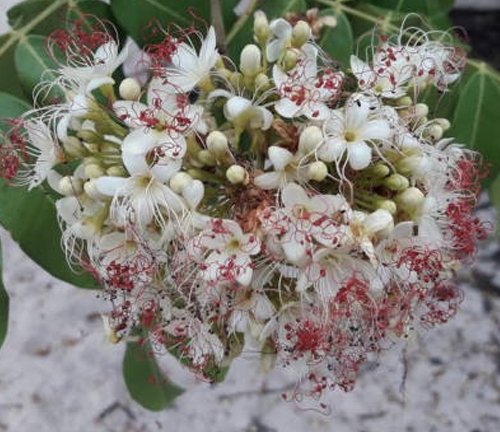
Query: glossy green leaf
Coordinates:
[50,15]
[4,305]
[30,217]
[9,81]
[137,16]
[144,380]
[477,117]
[33,64]
[429,7]
[338,41]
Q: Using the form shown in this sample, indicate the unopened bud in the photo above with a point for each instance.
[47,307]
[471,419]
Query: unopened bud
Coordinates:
[388,205]
[410,199]
[409,165]
[129,89]
[73,147]
[70,186]
[405,101]
[116,171]
[236,79]
[290,60]
[90,188]
[435,132]
[217,143]
[206,158]
[94,171]
[421,110]
[261,81]
[378,170]
[236,174]
[250,59]
[260,26]
[318,171]
[396,182]
[301,33]
[310,138]
[180,181]
[89,136]
[444,123]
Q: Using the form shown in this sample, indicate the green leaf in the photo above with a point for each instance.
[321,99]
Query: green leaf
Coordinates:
[33,64]
[477,117]
[135,16]
[338,41]
[429,7]
[144,380]
[60,12]
[30,217]
[4,306]
[10,82]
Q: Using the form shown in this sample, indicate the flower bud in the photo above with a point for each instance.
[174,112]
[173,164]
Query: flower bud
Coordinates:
[301,33]
[310,138]
[207,158]
[435,132]
[409,165]
[217,143]
[250,59]
[396,182]
[89,136]
[421,110]
[180,181]
[94,171]
[90,188]
[290,60]
[388,205]
[318,171]
[410,200]
[129,89]
[236,79]
[73,147]
[70,186]
[405,101]
[444,123]
[236,174]
[261,81]
[261,26]
[116,171]
[378,170]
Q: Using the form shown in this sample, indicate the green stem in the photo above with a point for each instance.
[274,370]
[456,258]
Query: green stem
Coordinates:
[242,20]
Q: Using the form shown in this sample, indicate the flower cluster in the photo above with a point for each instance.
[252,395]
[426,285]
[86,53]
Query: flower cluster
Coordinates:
[284,204]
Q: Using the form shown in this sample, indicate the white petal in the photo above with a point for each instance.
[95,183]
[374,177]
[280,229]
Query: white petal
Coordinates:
[111,186]
[360,155]
[356,113]
[164,170]
[271,180]
[274,49]
[98,82]
[281,28]
[129,111]
[374,129]
[279,157]
[332,149]
[286,108]
[236,106]
[194,193]
[377,221]
[293,195]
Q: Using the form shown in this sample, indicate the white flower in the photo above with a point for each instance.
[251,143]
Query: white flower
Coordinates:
[164,111]
[242,111]
[229,252]
[302,91]
[44,148]
[287,167]
[350,130]
[282,30]
[96,70]
[389,74]
[188,67]
[144,197]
